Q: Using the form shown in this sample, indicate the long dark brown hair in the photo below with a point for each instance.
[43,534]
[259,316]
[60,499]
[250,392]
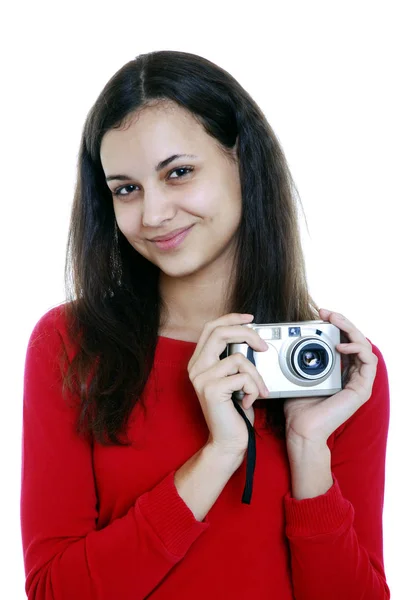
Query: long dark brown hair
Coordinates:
[113,306]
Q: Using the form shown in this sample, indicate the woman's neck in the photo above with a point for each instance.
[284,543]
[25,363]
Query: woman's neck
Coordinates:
[189,305]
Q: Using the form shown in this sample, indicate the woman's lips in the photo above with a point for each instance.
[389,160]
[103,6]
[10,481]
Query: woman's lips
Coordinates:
[173,242]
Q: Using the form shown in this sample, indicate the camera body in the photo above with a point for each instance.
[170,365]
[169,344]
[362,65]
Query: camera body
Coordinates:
[301,360]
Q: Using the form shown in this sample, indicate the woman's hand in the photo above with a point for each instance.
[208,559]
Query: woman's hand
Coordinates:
[313,420]
[215,380]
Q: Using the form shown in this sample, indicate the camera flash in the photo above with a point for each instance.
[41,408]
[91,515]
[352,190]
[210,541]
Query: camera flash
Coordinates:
[271,333]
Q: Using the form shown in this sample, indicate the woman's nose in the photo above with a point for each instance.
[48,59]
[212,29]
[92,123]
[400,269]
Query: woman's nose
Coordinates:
[156,208]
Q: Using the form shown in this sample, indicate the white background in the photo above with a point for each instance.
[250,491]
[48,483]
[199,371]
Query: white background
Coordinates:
[327,77]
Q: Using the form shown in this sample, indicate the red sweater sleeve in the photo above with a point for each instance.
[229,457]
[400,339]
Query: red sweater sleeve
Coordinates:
[65,556]
[336,539]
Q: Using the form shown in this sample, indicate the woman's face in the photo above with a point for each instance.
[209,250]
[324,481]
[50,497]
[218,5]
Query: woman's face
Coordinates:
[203,191]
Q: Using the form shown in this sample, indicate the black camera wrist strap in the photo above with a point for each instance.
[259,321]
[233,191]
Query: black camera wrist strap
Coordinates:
[251,457]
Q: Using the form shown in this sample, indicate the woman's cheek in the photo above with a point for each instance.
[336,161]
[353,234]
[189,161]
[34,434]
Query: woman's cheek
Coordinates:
[128,223]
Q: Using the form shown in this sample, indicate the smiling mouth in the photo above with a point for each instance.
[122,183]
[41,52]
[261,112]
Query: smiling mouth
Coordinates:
[168,236]
[172,242]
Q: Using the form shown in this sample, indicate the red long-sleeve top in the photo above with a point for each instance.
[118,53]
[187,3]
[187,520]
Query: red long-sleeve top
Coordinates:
[107,523]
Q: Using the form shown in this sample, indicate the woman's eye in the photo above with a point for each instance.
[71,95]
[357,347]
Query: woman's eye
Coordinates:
[187,169]
[118,191]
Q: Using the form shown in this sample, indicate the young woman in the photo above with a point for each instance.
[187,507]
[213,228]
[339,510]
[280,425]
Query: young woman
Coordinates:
[134,452]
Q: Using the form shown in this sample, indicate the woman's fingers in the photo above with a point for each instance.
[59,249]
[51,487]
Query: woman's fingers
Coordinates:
[363,351]
[365,373]
[217,341]
[238,364]
[242,380]
[230,319]
[337,319]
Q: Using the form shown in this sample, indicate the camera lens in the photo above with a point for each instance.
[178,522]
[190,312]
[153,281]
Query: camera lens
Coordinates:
[311,359]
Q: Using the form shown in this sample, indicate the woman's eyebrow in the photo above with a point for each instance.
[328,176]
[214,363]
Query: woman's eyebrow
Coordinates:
[158,167]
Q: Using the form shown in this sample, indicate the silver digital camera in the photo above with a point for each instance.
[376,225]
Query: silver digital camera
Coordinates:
[301,360]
